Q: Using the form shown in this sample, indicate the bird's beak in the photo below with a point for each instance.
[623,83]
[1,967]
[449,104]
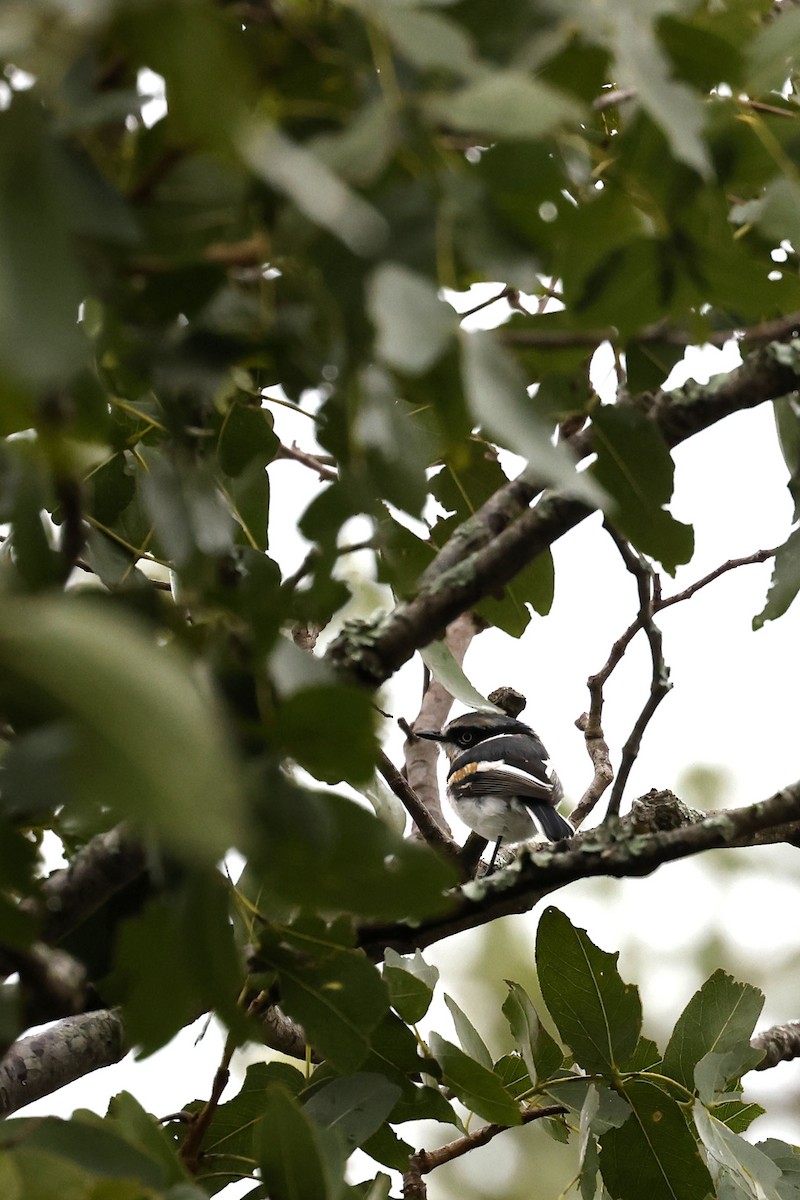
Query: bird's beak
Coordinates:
[430,734]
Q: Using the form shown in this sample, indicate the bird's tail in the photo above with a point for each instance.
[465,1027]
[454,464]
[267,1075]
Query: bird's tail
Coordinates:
[552,825]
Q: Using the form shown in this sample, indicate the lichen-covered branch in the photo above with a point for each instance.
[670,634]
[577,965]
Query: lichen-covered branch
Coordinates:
[781,1043]
[39,1065]
[505,535]
[619,854]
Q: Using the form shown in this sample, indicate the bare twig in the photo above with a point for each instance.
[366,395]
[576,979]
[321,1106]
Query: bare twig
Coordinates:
[759,556]
[315,462]
[591,723]
[597,749]
[425,1161]
[192,1144]
[648,585]
[428,827]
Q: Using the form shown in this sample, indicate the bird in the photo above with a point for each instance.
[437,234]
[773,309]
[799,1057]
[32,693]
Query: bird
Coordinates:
[500,781]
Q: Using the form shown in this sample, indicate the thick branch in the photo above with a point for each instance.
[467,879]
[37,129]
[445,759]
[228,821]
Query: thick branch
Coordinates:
[106,864]
[422,818]
[421,756]
[494,557]
[781,1043]
[39,1065]
[537,874]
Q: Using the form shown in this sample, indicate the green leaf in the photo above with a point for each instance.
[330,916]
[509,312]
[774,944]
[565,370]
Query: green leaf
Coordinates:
[92,1147]
[305,857]
[597,1014]
[787,421]
[296,172]
[246,436]
[476,1086]
[410,982]
[653,1154]
[720,1017]
[229,1140]
[334,992]
[471,1041]
[542,1056]
[785,582]
[427,39]
[771,55]
[149,743]
[181,943]
[648,363]
[676,108]
[504,104]
[738,1115]
[778,210]
[497,396]
[330,731]
[388,1149]
[41,284]
[355,1107]
[187,509]
[439,660]
[511,1071]
[289,1150]
[715,1074]
[413,325]
[199,51]
[636,469]
[733,1161]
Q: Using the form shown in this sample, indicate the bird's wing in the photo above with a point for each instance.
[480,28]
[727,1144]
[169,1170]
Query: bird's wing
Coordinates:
[508,765]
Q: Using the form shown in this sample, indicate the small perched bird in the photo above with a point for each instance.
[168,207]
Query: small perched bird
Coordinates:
[500,781]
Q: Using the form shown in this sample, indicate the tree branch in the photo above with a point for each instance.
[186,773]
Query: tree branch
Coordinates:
[590,723]
[498,543]
[425,1161]
[776,330]
[649,587]
[620,854]
[781,1043]
[104,866]
[422,818]
[39,1065]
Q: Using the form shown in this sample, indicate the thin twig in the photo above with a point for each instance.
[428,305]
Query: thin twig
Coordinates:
[313,461]
[760,556]
[425,823]
[425,1161]
[504,295]
[192,1144]
[591,723]
[648,584]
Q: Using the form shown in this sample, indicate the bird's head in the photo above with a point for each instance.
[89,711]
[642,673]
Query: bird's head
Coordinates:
[472,728]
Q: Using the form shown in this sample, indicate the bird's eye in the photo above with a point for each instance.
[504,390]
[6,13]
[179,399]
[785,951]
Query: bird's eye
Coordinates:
[466,737]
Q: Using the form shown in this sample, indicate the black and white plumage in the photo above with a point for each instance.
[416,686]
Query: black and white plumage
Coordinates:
[500,781]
